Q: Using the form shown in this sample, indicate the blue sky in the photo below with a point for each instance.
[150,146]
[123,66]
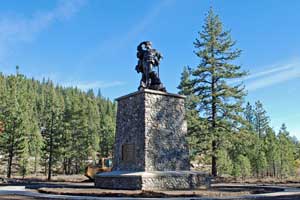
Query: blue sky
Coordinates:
[92,44]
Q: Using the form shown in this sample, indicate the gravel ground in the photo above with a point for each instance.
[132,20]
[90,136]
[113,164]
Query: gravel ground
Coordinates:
[19,197]
[79,186]
[289,197]
[214,192]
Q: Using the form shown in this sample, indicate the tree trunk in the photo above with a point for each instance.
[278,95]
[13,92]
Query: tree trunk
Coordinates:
[51,151]
[69,166]
[65,166]
[214,171]
[10,155]
[45,168]
[35,163]
[50,161]
[274,169]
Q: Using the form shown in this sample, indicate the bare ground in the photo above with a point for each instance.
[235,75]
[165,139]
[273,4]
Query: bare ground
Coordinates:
[79,185]
[19,197]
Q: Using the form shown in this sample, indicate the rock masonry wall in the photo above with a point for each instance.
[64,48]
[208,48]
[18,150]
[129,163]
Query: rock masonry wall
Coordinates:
[151,152]
[130,130]
[166,146]
[150,134]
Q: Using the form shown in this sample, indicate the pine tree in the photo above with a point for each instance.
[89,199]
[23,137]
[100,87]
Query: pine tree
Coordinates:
[260,163]
[242,167]
[67,129]
[51,127]
[196,127]
[185,86]
[107,129]
[261,119]
[225,165]
[258,124]
[250,116]
[93,117]
[55,127]
[272,152]
[2,103]
[220,103]
[286,153]
[35,138]
[13,141]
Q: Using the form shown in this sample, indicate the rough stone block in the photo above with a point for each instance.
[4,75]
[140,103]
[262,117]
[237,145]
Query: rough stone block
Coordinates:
[150,150]
[154,180]
[151,123]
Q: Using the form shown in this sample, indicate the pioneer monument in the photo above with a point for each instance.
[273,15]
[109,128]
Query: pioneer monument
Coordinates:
[148,59]
[150,150]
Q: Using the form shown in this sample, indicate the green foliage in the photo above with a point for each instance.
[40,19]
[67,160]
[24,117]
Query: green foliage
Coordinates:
[15,138]
[241,167]
[197,134]
[271,148]
[238,138]
[260,163]
[225,165]
[286,153]
[218,103]
[261,121]
[51,129]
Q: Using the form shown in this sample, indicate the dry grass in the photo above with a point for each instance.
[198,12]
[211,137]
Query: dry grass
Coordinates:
[19,197]
[55,178]
[266,180]
[142,193]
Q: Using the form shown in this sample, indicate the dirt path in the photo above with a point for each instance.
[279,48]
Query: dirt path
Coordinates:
[18,197]
[220,191]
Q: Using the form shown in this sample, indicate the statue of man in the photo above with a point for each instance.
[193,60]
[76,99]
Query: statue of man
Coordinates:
[148,59]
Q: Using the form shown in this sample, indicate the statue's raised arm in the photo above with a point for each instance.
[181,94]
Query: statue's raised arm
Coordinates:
[148,58]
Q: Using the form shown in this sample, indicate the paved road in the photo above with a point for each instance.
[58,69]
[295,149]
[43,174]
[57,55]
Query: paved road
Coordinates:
[19,192]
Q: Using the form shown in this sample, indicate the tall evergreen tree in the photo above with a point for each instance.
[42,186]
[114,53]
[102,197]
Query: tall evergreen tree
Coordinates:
[250,116]
[220,102]
[272,152]
[242,167]
[197,131]
[51,127]
[225,164]
[261,119]
[14,141]
[93,118]
[107,129]
[286,153]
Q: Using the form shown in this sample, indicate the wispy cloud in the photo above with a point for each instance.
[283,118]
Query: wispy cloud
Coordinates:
[273,69]
[15,29]
[83,85]
[109,45]
[146,21]
[57,79]
[272,76]
[92,85]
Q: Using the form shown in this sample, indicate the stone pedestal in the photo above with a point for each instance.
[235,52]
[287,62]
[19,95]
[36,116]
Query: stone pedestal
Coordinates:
[150,149]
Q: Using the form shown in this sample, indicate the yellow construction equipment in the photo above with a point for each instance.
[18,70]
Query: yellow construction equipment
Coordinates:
[104,165]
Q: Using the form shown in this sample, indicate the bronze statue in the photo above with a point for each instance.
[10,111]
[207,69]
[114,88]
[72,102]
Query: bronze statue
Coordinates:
[148,59]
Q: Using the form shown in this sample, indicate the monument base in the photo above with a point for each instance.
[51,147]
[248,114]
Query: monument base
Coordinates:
[154,180]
